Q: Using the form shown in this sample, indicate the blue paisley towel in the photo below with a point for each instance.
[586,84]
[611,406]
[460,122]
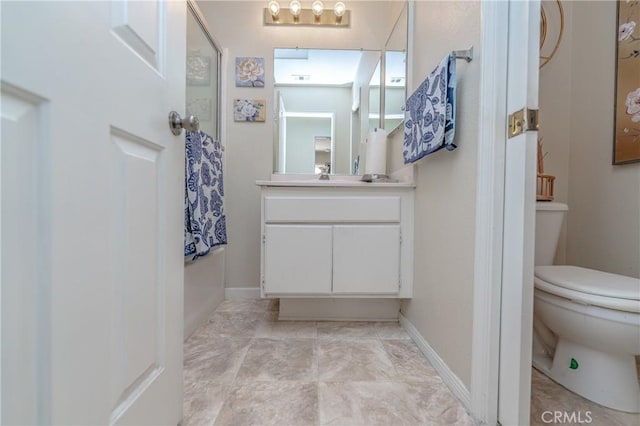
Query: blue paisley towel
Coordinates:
[204,219]
[429,122]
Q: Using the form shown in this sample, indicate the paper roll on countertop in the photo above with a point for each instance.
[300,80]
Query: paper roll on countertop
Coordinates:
[376,143]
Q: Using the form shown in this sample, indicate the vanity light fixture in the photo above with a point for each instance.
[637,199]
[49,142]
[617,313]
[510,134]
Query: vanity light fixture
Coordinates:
[316,16]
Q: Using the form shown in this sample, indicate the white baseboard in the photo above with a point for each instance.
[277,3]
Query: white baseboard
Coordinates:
[236,293]
[449,378]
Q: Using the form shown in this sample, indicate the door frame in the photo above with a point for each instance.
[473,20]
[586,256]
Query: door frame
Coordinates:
[489,213]
[493,211]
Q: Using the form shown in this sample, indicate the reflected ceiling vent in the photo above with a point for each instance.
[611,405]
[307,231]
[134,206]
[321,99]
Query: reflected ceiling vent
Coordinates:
[299,77]
[396,79]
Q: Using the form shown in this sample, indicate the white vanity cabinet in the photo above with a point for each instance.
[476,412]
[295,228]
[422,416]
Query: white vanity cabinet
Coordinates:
[321,241]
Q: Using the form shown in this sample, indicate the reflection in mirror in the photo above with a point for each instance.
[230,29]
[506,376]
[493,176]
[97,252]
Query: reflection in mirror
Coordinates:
[203,76]
[374,100]
[394,89]
[323,154]
[322,108]
[308,158]
[396,73]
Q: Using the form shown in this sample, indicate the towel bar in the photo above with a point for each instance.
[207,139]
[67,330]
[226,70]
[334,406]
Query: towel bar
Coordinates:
[467,55]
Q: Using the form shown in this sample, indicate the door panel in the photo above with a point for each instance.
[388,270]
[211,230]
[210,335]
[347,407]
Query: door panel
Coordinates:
[366,259]
[138,291]
[297,259]
[140,26]
[106,224]
[24,336]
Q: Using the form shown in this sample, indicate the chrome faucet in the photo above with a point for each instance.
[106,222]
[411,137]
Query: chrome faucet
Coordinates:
[324,175]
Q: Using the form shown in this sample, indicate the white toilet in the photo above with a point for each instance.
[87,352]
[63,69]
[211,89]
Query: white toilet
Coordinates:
[586,323]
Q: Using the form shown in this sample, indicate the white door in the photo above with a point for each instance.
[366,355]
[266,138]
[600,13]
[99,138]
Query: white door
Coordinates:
[519,219]
[92,193]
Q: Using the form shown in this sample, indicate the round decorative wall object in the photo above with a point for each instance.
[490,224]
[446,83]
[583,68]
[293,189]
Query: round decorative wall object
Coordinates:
[551,29]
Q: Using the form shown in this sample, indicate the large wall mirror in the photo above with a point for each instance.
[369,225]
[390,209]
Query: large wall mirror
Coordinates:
[327,100]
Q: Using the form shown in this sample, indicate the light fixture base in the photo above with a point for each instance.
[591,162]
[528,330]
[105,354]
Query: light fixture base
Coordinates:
[307,18]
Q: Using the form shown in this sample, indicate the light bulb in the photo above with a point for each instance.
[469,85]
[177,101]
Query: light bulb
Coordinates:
[274,8]
[339,9]
[317,7]
[295,7]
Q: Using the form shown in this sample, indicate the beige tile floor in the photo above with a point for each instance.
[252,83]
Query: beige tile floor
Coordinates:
[244,367]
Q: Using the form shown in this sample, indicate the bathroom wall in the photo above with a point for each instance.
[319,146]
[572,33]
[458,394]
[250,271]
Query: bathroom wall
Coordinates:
[576,103]
[604,200]
[555,117]
[249,146]
[442,304]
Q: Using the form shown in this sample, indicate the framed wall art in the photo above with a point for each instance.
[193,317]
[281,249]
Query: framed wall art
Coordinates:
[249,110]
[626,144]
[249,72]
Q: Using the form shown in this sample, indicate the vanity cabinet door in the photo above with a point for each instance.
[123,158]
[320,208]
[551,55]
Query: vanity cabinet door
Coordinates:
[297,259]
[366,259]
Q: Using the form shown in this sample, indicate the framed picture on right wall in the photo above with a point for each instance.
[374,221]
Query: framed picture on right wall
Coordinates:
[626,143]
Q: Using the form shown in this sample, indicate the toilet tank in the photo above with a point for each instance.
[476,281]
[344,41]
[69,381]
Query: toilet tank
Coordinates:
[549,217]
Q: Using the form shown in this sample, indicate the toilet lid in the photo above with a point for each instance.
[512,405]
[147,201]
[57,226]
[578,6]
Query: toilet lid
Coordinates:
[591,282]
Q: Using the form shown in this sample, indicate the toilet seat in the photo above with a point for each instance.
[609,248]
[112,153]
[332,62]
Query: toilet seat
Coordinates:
[590,287]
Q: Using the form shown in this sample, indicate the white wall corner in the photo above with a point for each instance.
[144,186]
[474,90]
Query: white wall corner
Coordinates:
[449,378]
[238,293]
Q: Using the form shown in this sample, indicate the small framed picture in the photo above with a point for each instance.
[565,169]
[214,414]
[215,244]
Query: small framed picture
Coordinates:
[249,72]
[198,70]
[249,110]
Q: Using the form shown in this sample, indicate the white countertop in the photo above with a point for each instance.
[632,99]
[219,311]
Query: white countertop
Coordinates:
[402,178]
[316,183]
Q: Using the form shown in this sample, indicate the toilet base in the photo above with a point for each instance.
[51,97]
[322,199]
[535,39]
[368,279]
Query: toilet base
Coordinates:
[608,379]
